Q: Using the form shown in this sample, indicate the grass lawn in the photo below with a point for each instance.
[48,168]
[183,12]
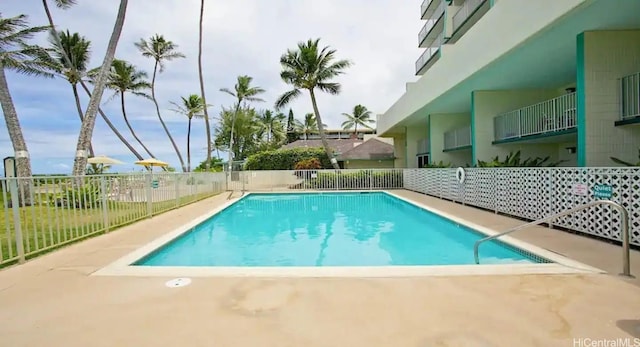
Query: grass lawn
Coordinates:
[46,227]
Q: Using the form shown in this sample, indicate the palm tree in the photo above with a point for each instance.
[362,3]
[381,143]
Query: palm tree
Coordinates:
[192,106]
[204,99]
[243,91]
[309,126]
[360,116]
[17,55]
[272,124]
[124,78]
[160,50]
[88,124]
[309,67]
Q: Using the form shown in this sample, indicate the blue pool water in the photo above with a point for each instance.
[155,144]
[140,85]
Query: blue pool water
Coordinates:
[328,229]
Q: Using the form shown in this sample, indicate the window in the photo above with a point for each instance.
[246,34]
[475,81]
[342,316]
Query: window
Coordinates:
[423,160]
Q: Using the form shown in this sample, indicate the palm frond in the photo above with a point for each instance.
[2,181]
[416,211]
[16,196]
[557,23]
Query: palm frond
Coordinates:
[228,91]
[65,4]
[287,98]
[331,88]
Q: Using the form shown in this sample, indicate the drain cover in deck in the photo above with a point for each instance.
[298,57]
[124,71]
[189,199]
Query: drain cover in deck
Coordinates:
[178,282]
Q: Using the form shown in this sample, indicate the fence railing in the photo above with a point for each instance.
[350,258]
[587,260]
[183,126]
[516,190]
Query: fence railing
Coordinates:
[535,193]
[422,146]
[429,52]
[431,22]
[457,138]
[425,5]
[630,96]
[544,117]
[466,10]
[42,213]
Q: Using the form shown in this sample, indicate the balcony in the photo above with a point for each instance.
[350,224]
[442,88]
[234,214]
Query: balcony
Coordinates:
[430,55]
[467,15]
[547,118]
[422,146]
[630,99]
[457,139]
[428,8]
[433,26]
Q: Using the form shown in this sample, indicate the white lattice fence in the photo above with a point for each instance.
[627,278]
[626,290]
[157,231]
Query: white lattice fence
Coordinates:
[534,193]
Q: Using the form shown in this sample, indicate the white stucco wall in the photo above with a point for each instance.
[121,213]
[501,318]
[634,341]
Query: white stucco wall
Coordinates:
[441,123]
[608,56]
[399,150]
[414,134]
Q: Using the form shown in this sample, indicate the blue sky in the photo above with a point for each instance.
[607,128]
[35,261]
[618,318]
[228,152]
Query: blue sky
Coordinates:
[240,37]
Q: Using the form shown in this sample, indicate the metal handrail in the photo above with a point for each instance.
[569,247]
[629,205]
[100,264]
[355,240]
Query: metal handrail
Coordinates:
[626,267]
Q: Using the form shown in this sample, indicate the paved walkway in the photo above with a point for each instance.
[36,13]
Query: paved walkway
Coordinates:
[52,300]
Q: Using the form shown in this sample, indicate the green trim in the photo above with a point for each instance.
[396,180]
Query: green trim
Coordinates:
[492,3]
[456,149]
[429,134]
[635,120]
[581,101]
[473,129]
[536,136]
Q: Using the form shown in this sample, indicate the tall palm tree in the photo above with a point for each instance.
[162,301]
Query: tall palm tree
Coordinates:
[192,106]
[124,78]
[309,67]
[17,55]
[89,122]
[309,126]
[360,116]
[242,91]
[161,50]
[204,99]
[272,124]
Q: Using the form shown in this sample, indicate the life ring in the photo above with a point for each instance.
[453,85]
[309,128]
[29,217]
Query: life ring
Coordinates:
[460,175]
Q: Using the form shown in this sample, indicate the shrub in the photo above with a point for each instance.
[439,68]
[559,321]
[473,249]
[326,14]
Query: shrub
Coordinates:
[286,159]
[308,164]
[87,196]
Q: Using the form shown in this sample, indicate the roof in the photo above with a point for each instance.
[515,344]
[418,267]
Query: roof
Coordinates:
[346,149]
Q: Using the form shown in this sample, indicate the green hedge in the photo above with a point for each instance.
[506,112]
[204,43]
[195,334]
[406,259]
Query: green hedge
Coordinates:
[350,180]
[285,159]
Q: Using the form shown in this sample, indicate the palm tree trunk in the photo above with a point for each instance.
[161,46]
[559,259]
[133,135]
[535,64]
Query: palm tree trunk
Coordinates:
[133,133]
[231,142]
[112,127]
[86,131]
[323,137]
[23,163]
[204,99]
[189,146]
[164,126]
[54,33]
[80,113]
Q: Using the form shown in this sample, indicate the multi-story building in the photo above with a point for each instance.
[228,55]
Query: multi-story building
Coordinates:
[546,77]
[336,134]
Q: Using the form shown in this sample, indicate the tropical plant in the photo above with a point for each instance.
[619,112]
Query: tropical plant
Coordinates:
[272,124]
[292,134]
[97,169]
[242,91]
[161,50]
[16,54]
[309,67]
[191,106]
[215,165]
[310,125]
[626,163]
[308,164]
[124,78]
[513,160]
[204,99]
[246,137]
[439,164]
[100,81]
[360,116]
[285,158]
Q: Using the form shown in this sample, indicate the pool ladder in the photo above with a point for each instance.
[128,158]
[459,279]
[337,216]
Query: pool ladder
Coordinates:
[233,192]
[626,267]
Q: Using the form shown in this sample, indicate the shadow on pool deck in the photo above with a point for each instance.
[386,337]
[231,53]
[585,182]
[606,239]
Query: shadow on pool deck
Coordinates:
[51,300]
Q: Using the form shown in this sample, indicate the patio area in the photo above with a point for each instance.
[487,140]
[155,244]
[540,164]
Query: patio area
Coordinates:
[52,300]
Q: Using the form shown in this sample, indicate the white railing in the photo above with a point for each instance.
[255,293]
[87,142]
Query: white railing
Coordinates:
[630,96]
[549,116]
[457,138]
[429,52]
[431,22]
[422,146]
[535,193]
[425,6]
[465,11]
[42,213]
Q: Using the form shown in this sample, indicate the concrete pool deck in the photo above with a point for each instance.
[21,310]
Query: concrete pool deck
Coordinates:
[53,301]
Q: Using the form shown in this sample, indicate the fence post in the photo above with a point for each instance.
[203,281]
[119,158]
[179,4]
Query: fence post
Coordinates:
[15,206]
[105,202]
[371,179]
[149,196]
[177,179]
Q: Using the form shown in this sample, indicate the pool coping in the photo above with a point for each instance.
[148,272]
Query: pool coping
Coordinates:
[560,264]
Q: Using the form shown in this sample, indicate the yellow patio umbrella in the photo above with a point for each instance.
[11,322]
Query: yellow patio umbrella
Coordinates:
[104,160]
[151,162]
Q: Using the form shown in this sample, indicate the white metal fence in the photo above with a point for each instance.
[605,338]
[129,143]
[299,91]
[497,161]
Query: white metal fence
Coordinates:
[457,138]
[534,193]
[548,116]
[630,96]
[41,213]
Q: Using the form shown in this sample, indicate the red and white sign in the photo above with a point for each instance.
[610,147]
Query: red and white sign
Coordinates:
[580,189]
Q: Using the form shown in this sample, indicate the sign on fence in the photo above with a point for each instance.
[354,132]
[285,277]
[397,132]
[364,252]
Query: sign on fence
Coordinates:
[154,184]
[580,189]
[604,191]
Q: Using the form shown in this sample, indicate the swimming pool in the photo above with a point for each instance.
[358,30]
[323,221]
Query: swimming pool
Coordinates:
[329,230]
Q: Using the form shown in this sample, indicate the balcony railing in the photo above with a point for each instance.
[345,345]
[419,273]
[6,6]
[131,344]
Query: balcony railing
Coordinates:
[630,96]
[457,138]
[548,116]
[425,6]
[466,10]
[431,22]
[429,52]
[422,146]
